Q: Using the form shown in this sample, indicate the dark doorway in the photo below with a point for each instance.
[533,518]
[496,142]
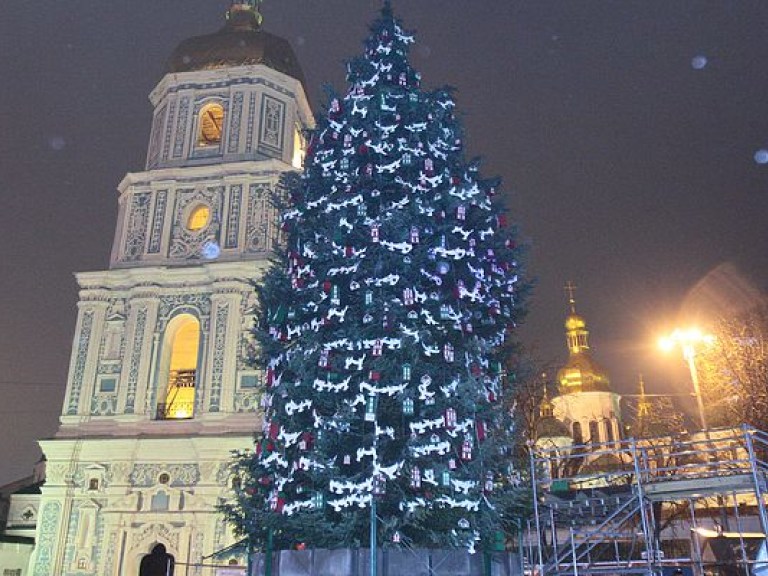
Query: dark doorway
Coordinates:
[158,563]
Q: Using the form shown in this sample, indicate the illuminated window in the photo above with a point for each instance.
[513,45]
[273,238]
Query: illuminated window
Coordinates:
[199,217]
[211,125]
[179,368]
[298,148]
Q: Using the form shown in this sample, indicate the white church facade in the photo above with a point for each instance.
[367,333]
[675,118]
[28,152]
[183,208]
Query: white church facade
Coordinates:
[160,390]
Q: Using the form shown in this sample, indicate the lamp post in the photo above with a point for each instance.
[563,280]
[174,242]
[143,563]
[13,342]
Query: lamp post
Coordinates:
[687,340]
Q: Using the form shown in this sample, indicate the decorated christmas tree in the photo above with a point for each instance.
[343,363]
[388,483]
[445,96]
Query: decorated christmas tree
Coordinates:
[381,328]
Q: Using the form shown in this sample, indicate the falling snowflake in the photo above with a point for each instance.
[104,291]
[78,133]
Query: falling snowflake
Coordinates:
[698,62]
[210,250]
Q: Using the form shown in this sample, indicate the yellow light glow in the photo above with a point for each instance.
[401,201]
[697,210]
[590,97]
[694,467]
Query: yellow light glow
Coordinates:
[199,217]
[685,337]
[666,343]
[298,149]
[211,124]
[186,345]
[180,395]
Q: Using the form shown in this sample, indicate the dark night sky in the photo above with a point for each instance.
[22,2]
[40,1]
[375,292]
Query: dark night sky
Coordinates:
[631,172]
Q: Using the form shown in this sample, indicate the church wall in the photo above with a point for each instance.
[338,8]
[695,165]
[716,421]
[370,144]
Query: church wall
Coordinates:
[585,407]
[15,556]
[261,110]
[154,208]
[107,502]
[116,373]
[194,231]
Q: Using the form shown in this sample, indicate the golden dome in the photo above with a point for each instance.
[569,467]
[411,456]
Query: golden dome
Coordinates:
[581,373]
[574,322]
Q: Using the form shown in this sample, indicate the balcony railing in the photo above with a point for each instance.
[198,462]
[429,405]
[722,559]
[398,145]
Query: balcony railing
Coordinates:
[180,399]
[181,379]
[175,411]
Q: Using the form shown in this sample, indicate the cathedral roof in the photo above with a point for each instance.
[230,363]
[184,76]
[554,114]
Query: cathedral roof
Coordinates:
[240,42]
[581,373]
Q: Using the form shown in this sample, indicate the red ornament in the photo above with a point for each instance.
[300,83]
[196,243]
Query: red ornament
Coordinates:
[480,430]
[306,441]
[278,504]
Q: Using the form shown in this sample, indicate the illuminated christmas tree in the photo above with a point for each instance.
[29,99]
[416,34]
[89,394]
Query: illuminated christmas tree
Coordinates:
[381,327]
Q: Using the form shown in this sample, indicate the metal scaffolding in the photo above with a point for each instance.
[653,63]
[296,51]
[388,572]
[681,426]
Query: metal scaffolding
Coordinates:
[649,506]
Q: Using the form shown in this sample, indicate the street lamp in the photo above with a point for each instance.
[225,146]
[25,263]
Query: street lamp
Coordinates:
[687,340]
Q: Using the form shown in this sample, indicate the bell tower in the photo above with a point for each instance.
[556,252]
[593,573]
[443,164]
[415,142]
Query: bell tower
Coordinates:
[586,403]
[159,390]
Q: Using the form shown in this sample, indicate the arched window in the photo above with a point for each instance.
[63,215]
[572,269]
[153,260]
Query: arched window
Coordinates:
[158,563]
[199,217]
[178,374]
[594,431]
[210,125]
[578,437]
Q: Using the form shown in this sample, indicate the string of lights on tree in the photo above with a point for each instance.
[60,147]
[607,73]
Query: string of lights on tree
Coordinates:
[381,326]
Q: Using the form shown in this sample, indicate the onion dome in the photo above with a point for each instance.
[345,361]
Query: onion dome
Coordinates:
[240,42]
[581,373]
[574,322]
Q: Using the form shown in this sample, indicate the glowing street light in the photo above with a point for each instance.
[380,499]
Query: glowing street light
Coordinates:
[687,340]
